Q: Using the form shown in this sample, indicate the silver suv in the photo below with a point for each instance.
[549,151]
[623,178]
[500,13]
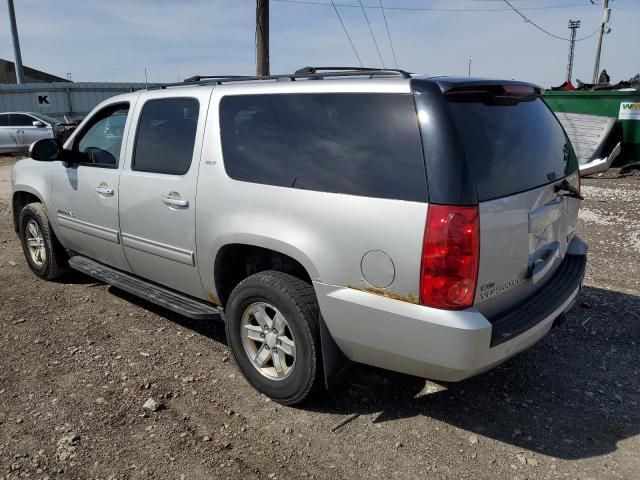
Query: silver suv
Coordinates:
[425,225]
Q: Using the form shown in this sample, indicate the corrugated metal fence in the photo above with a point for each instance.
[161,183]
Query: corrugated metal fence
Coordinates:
[71,99]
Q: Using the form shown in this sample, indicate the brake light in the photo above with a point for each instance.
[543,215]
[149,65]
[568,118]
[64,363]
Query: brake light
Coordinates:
[450,253]
[519,89]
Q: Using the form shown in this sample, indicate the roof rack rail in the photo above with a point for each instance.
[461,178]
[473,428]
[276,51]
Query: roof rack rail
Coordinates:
[312,73]
[355,70]
[198,78]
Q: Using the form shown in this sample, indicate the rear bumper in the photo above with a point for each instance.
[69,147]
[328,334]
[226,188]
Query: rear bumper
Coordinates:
[445,345]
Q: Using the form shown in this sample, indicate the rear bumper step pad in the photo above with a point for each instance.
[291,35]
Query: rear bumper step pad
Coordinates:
[174,301]
[522,317]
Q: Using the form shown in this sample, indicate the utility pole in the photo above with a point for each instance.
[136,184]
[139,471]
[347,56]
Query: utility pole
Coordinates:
[16,43]
[605,19]
[470,60]
[262,37]
[574,25]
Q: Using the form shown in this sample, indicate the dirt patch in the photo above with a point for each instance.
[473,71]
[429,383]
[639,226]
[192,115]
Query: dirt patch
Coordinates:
[6,164]
[80,360]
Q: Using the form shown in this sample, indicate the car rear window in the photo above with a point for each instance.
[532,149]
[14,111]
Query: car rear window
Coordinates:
[358,144]
[513,145]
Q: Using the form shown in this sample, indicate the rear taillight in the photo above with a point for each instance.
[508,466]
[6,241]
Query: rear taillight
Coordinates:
[450,253]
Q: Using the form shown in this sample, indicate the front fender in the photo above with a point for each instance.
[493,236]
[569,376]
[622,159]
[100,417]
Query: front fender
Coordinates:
[29,176]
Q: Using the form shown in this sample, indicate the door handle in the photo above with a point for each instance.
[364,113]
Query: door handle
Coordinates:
[174,200]
[104,190]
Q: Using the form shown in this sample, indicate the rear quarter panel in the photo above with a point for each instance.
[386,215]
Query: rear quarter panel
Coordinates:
[327,233]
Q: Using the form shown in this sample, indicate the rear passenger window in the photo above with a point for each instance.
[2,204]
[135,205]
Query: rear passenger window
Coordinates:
[4,120]
[359,144]
[166,136]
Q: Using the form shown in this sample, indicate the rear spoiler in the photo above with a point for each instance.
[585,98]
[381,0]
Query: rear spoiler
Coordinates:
[459,84]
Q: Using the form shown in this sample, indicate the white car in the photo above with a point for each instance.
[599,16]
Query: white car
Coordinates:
[18,130]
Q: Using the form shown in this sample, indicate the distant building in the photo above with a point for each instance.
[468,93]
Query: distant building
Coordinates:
[31,75]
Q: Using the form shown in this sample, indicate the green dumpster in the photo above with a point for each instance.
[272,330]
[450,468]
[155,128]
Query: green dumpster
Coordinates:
[620,104]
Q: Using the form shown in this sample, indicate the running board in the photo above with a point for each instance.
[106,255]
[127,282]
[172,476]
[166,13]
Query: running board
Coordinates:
[161,296]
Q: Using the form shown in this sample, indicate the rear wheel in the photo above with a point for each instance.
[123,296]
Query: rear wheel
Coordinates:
[43,253]
[272,329]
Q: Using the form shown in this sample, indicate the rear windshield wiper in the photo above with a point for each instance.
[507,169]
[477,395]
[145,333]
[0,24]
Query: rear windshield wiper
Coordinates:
[572,191]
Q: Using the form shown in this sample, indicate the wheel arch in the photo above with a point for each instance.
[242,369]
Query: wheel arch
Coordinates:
[229,259]
[21,197]
[238,260]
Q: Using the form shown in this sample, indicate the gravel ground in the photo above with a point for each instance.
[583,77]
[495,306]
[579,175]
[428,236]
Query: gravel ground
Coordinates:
[78,361]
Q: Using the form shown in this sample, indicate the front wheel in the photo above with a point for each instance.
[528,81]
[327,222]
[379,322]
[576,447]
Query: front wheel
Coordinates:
[272,330]
[43,253]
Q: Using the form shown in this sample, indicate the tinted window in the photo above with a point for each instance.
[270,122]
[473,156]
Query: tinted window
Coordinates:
[166,135]
[512,148]
[359,144]
[19,120]
[101,139]
[4,120]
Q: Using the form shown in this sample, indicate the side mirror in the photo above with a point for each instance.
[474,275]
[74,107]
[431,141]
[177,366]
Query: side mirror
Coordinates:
[45,150]
[38,123]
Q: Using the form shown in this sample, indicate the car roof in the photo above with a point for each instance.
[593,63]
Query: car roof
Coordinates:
[20,113]
[313,84]
[349,83]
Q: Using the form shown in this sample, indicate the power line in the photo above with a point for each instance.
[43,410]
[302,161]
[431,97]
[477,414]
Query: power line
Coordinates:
[534,24]
[511,8]
[588,36]
[346,33]
[372,35]
[527,20]
[395,60]
[429,9]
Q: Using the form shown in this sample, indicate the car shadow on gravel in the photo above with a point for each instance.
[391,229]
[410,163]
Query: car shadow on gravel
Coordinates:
[574,395]
[213,329]
[73,277]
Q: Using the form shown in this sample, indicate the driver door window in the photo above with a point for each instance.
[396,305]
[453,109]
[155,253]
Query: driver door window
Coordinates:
[100,141]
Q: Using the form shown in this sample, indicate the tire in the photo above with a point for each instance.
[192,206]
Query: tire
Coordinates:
[52,262]
[295,300]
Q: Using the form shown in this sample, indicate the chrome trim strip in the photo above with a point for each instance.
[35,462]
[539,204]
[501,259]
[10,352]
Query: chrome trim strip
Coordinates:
[88,228]
[159,249]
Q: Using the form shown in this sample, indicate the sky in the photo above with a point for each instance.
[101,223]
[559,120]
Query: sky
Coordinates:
[115,40]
